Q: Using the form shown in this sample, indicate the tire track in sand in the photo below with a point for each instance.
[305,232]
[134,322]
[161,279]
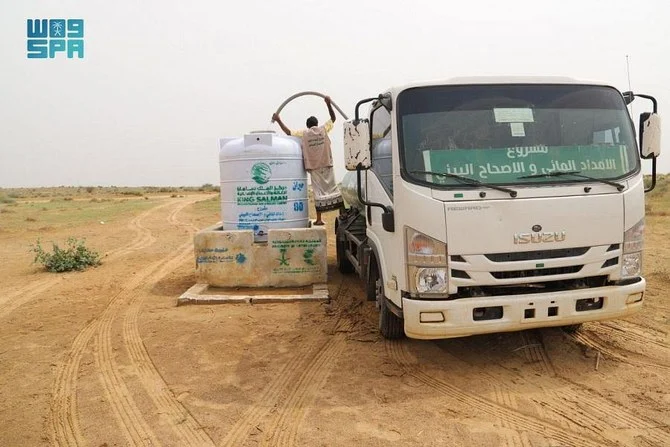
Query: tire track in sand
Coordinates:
[124,406]
[185,426]
[634,333]
[64,425]
[132,423]
[143,238]
[581,407]
[284,428]
[608,421]
[270,396]
[503,395]
[298,376]
[12,301]
[514,417]
[536,354]
[593,342]
[510,437]
[285,425]
[65,428]
[189,431]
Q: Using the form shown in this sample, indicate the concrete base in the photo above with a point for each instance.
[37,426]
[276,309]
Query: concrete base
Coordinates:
[292,257]
[203,294]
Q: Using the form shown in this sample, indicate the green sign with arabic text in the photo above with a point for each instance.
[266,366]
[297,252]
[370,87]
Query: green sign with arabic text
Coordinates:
[506,165]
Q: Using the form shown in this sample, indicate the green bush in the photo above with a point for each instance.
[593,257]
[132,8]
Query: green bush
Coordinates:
[208,187]
[76,256]
[6,199]
[132,193]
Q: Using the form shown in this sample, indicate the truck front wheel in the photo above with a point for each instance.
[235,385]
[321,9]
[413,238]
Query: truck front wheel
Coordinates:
[391,326]
[572,328]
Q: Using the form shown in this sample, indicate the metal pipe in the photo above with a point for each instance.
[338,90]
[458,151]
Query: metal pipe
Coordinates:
[361,102]
[297,95]
[360,192]
[650,98]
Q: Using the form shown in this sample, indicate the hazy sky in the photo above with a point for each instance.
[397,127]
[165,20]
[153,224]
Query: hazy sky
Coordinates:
[161,81]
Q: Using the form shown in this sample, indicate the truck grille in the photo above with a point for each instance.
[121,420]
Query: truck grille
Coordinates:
[526,271]
[539,287]
[539,254]
[514,274]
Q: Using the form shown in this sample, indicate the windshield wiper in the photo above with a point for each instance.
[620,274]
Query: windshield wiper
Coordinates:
[468,180]
[618,186]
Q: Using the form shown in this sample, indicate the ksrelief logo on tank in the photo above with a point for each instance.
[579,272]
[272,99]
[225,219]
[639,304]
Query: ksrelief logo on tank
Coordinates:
[261,173]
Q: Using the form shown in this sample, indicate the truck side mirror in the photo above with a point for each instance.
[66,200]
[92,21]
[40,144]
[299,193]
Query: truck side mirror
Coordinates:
[650,135]
[386,101]
[357,144]
[628,97]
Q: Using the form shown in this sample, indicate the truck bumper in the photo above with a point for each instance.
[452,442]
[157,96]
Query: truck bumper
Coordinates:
[432,319]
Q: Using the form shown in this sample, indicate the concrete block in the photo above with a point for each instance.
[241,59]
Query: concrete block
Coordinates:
[203,294]
[290,258]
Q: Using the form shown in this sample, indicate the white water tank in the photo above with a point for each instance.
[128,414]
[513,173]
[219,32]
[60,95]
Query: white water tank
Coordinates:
[263,183]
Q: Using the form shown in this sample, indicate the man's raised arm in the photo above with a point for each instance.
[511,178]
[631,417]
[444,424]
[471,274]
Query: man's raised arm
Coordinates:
[330,108]
[275,117]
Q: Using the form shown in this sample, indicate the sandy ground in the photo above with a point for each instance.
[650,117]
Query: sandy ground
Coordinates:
[105,358]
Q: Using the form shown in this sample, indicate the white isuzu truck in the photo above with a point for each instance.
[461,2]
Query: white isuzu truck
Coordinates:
[484,205]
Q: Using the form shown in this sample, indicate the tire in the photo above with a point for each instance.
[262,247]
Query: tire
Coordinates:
[371,281]
[391,326]
[572,328]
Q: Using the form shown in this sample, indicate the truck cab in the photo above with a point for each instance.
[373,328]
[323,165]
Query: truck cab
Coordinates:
[483,205]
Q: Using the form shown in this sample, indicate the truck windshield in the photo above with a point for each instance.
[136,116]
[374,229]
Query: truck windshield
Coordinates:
[507,134]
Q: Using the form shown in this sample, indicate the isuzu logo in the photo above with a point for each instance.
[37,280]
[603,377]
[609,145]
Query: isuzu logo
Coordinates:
[538,238]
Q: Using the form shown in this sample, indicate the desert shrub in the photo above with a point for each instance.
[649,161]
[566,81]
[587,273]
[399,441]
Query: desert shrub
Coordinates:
[90,189]
[76,256]
[208,187]
[6,199]
[132,193]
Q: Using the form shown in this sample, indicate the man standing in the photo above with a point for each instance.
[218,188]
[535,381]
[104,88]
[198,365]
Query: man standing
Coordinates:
[318,160]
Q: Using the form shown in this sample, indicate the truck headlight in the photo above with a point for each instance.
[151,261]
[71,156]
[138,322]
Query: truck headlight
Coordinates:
[633,241]
[631,266]
[426,263]
[431,280]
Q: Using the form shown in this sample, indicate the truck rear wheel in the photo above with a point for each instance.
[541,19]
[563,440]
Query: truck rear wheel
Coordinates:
[390,325]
